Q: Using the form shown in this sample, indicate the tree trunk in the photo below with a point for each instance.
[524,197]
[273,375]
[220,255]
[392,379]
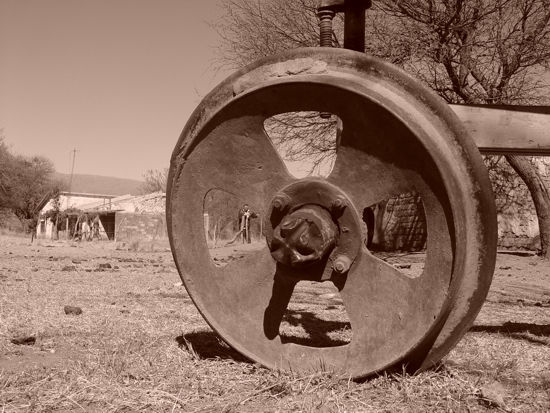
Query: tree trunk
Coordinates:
[55,232]
[528,173]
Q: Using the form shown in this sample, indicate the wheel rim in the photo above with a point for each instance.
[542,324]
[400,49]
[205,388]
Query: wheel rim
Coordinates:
[394,318]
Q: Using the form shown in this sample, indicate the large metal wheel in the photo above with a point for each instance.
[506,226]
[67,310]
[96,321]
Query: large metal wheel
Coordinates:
[397,137]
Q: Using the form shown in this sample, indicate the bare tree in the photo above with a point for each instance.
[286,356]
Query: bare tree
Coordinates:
[468,51]
[483,51]
[154,181]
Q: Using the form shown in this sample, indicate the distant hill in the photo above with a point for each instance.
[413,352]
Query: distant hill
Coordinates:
[97,184]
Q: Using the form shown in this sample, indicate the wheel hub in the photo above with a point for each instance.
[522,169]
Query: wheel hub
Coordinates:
[312,230]
[304,237]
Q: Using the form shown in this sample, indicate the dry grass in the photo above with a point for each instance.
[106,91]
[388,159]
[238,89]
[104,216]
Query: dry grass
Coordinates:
[140,345]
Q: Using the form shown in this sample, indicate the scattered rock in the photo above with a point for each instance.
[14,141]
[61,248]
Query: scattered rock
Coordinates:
[104,266]
[69,309]
[24,340]
[125,311]
[403,266]
[69,268]
[75,261]
[505,267]
[492,395]
[538,304]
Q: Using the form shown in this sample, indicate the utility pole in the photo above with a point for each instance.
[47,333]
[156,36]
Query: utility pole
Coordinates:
[74,151]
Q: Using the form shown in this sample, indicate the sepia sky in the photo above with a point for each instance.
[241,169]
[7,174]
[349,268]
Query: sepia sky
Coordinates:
[115,79]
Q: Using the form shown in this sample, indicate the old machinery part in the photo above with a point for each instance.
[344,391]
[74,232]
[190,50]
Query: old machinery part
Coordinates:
[502,129]
[396,136]
[354,22]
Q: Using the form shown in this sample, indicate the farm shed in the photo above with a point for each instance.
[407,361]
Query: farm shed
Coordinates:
[122,218]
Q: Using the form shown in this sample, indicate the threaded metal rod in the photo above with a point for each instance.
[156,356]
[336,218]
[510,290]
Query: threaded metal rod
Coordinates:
[325,27]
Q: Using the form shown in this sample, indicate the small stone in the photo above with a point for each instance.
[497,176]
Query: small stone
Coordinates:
[505,267]
[69,309]
[538,304]
[403,266]
[75,261]
[24,340]
[69,268]
[105,266]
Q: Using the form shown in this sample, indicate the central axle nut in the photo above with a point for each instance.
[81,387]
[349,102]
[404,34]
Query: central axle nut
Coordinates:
[304,237]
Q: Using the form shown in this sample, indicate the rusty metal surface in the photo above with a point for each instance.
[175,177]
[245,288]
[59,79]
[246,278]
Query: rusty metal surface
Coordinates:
[504,130]
[397,136]
[334,210]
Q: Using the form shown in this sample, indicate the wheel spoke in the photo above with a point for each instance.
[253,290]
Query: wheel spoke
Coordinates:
[366,179]
[389,312]
[239,158]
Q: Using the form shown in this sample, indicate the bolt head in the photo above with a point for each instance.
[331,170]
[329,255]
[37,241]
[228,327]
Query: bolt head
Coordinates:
[281,202]
[338,205]
[341,264]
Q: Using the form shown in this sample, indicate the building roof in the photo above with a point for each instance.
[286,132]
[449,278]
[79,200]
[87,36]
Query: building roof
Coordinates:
[154,203]
[86,195]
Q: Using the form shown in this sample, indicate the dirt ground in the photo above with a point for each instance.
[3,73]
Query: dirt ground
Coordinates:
[140,345]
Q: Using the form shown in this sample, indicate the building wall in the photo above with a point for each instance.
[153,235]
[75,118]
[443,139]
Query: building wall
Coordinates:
[404,227]
[130,226]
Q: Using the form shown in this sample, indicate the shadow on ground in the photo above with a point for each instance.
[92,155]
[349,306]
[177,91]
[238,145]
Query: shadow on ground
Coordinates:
[209,345]
[317,330]
[523,331]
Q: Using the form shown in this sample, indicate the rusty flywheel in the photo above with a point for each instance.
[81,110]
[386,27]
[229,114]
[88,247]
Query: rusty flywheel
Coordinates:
[397,137]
